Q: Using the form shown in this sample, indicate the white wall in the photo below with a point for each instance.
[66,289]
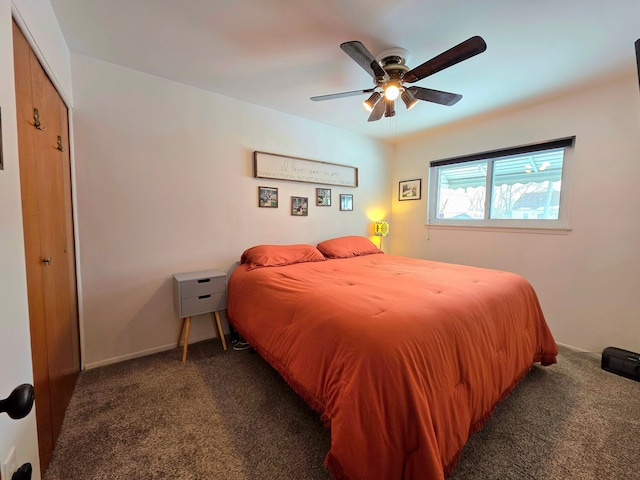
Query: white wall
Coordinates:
[15,347]
[588,280]
[165,185]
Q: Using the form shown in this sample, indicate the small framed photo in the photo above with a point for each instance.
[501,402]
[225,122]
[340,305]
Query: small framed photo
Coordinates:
[410,189]
[268,197]
[300,206]
[323,197]
[346,202]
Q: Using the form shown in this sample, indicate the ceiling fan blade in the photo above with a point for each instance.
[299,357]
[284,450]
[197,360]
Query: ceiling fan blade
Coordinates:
[359,53]
[467,49]
[332,96]
[378,110]
[435,96]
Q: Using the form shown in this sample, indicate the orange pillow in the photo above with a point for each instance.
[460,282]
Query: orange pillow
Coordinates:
[349,246]
[280,255]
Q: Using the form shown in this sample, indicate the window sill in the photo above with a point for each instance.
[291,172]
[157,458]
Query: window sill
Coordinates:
[493,228]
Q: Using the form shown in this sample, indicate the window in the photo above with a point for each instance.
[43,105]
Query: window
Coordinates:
[514,187]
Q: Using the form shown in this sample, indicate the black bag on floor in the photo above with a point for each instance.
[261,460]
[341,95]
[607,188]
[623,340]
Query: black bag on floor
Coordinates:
[621,362]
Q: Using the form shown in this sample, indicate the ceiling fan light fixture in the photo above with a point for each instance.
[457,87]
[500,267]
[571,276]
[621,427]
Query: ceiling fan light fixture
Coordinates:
[370,102]
[390,73]
[391,91]
[390,110]
[408,99]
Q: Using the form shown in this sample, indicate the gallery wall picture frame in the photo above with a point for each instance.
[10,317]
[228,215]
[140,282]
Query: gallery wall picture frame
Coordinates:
[346,202]
[323,197]
[300,206]
[268,197]
[410,189]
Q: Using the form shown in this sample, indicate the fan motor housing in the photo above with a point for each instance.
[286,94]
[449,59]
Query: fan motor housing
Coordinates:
[392,61]
[395,55]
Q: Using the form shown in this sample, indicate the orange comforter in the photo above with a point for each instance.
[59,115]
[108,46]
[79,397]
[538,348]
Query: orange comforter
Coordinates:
[403,358]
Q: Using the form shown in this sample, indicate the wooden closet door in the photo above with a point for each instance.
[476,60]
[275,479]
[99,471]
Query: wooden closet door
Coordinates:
[49,246]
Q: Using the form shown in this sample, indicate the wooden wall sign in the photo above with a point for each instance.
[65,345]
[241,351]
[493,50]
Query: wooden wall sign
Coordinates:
[280,167]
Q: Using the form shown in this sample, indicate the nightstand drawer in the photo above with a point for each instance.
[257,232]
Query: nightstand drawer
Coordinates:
[203,304]
[202,286]
[199,292]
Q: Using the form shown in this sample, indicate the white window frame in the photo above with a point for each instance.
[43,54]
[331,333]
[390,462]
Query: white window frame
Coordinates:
[559,225]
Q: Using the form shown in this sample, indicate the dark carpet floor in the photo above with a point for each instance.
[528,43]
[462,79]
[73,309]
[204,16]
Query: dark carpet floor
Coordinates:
[230,416]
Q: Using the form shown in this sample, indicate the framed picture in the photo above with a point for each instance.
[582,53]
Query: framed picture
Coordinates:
[346,202]
[300,206]
[293,169]
[323,197]
[410,189]
[268,197]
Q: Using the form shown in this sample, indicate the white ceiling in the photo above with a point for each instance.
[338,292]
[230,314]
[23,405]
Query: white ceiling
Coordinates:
[278,53]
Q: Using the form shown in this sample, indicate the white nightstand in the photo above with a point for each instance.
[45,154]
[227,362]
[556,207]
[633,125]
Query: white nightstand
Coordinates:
[199,292]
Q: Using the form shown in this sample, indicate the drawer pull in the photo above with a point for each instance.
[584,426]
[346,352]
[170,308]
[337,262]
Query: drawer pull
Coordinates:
[204,280]
[204,296]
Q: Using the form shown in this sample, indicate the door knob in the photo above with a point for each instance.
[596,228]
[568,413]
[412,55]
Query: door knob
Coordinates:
[46,260]
[18,404]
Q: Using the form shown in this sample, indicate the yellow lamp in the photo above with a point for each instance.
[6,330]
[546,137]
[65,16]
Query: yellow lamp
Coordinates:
[381,229]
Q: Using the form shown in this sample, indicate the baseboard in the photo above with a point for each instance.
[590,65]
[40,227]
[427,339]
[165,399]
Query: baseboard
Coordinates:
[164,348]
[579,350]
[143,353]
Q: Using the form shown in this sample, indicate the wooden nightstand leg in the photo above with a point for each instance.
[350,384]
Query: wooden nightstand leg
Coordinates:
[216,315]
[186,339]
[180,332]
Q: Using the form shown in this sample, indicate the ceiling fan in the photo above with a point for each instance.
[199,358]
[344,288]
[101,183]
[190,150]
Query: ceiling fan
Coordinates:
[390,74]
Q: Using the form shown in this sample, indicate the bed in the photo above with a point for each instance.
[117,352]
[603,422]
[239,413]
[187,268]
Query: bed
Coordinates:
[403,358]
